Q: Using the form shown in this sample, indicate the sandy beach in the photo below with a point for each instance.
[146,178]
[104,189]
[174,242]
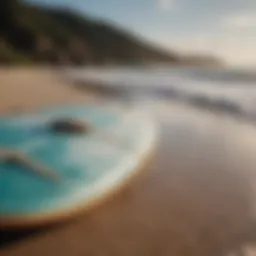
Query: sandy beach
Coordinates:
[196,197]
[23,90]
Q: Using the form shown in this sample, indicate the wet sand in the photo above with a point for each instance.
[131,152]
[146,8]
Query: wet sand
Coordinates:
[196,197]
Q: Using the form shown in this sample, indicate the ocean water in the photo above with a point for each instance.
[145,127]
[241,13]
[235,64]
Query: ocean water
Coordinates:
[229,91]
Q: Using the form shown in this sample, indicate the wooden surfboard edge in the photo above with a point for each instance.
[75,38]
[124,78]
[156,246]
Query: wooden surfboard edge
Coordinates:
[40,220]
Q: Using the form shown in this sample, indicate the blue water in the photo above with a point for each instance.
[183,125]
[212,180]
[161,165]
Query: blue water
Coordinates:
[81,161]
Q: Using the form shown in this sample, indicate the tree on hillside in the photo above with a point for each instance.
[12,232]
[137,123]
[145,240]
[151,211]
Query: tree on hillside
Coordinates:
[8,10]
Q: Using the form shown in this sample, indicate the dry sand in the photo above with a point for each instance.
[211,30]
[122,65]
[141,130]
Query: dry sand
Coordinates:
[196,198]
[27,89]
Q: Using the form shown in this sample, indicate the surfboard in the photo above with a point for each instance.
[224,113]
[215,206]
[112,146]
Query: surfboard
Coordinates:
[48,175]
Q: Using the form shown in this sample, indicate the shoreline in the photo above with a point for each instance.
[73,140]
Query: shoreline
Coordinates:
[221,107]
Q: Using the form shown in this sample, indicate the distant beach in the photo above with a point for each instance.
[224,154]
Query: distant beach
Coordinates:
[196,197]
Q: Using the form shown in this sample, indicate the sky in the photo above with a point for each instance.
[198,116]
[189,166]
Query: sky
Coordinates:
[225,28]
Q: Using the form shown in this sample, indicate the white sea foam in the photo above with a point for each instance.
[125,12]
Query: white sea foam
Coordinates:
[230,91]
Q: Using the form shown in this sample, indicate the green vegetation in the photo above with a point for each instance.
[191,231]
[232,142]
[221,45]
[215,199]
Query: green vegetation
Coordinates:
[62,36]
[8,55]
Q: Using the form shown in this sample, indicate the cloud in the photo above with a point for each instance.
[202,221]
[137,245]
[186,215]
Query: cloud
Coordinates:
[165,4]
[240,21]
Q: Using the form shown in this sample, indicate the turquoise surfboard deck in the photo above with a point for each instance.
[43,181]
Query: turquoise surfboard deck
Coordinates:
[89,165]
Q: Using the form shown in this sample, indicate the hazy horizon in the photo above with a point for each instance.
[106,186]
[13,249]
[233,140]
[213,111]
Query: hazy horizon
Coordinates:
[226,29]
